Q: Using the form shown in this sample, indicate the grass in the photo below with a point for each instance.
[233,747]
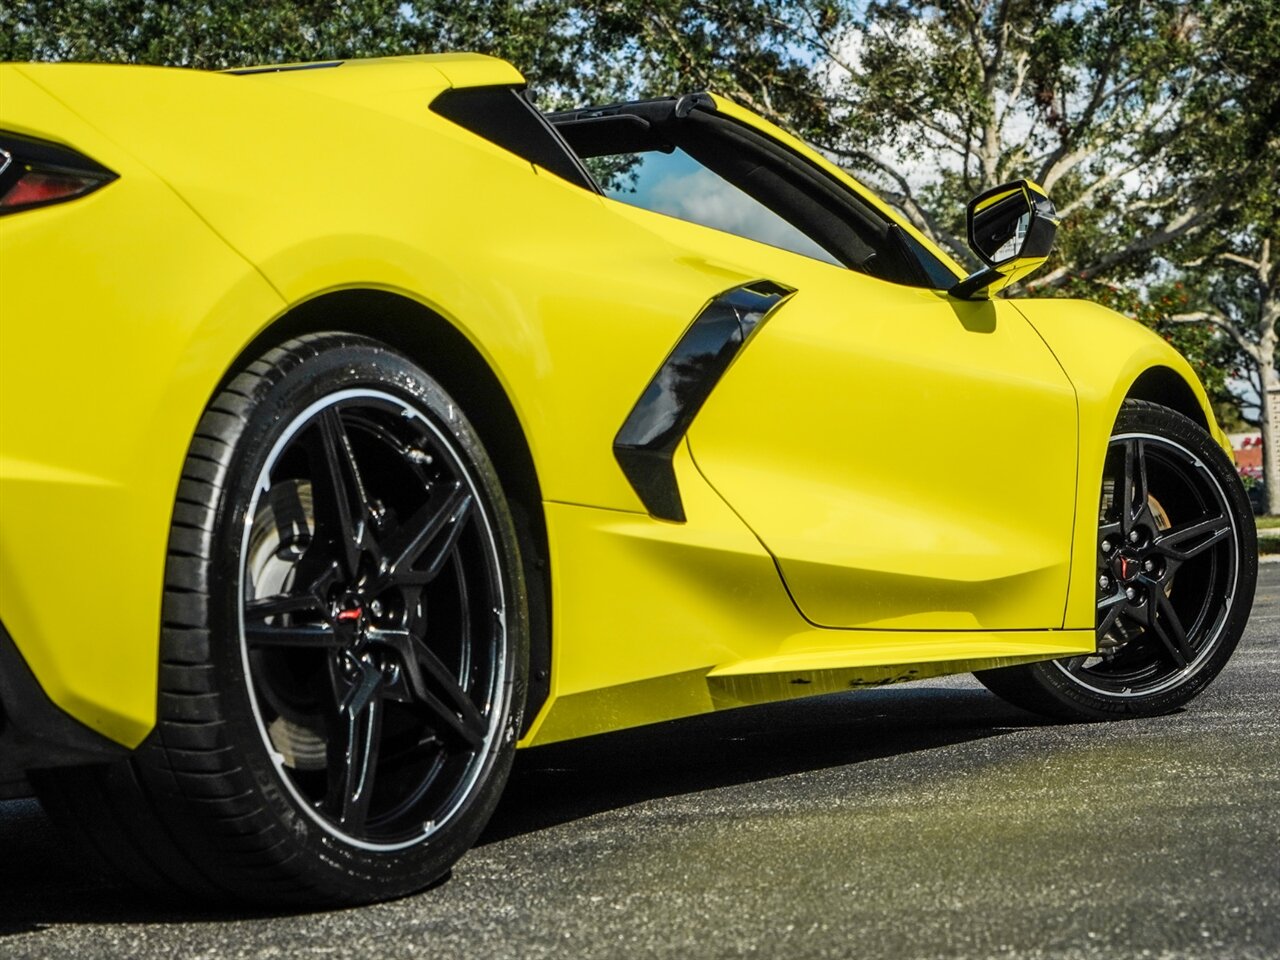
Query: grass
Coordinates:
[1267,523]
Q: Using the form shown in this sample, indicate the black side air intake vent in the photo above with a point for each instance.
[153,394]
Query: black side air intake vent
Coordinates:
[647,442]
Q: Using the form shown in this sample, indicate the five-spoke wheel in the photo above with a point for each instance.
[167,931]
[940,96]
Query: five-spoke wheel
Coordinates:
[372,614]
[1165,591]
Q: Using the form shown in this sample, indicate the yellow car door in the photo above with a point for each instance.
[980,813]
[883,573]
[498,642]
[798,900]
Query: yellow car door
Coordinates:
[909,459]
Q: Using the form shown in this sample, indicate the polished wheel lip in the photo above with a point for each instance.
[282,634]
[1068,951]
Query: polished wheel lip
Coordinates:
[1206,650]
[500,692]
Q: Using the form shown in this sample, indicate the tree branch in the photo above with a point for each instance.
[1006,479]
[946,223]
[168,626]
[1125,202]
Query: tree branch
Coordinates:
[1190,222]
[1220,320]
[1089,192]
[1254,266]
[904,198]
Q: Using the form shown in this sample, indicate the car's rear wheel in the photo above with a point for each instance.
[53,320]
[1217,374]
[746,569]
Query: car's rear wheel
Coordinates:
[343,649]
[1176,567]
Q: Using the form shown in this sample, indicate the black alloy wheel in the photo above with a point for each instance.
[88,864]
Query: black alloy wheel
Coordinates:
[344,649]
[371,611]
[1176,566]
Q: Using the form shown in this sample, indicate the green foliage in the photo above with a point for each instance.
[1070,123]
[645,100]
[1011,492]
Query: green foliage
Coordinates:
[539,35]
[208,35]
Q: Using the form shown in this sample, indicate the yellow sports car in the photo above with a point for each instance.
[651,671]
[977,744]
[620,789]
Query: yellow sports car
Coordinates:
[360,423]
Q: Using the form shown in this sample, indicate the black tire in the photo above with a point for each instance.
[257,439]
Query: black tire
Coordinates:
[1177,563]
[343,651]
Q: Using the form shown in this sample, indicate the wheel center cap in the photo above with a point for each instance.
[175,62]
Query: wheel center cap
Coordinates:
[350,620]
[1126,567]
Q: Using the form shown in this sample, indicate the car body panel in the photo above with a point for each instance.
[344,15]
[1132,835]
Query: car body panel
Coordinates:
[530,327]
[87,486]
[947,504]
[532,316]
[242,198]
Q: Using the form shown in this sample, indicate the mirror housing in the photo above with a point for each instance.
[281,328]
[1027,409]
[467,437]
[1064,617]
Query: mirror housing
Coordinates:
[1011,229]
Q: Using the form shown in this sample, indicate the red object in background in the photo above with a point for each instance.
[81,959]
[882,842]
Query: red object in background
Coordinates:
[1247,449]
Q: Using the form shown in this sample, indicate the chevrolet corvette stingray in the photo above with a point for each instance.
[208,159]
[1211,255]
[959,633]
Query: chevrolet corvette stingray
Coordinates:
[361,423]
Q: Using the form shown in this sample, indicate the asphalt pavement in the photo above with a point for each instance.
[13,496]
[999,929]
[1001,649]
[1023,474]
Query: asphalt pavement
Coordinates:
[923,821]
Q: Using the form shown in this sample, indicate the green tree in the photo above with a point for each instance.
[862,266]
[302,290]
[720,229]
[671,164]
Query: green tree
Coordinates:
[1233,269]
[1238,294]
[539,35]
[932,102]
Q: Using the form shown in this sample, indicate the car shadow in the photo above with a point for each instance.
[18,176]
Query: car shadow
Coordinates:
[568,781]
[44,882]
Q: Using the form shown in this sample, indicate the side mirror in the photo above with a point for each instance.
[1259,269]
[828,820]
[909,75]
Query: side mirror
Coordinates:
[1011,229]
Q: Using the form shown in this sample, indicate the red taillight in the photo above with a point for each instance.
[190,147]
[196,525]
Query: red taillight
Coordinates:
[35,187]
[36,173]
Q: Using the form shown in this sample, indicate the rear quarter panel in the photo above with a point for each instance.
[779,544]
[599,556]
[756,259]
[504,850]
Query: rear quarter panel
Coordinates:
[115,310]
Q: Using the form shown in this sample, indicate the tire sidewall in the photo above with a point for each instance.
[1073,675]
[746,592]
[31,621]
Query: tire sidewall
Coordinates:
[306,373]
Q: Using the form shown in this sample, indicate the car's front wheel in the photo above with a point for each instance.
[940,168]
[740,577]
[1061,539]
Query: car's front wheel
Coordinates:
[1176,566]
[343,647]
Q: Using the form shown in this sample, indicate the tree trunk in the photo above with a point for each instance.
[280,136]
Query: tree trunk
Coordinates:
[1271,435]
[1269,379]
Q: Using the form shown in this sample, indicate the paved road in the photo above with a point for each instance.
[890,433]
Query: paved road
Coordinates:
[925,821]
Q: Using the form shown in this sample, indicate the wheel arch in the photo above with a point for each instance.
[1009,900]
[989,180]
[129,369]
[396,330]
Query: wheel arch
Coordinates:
[441,349]
[1165,386]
